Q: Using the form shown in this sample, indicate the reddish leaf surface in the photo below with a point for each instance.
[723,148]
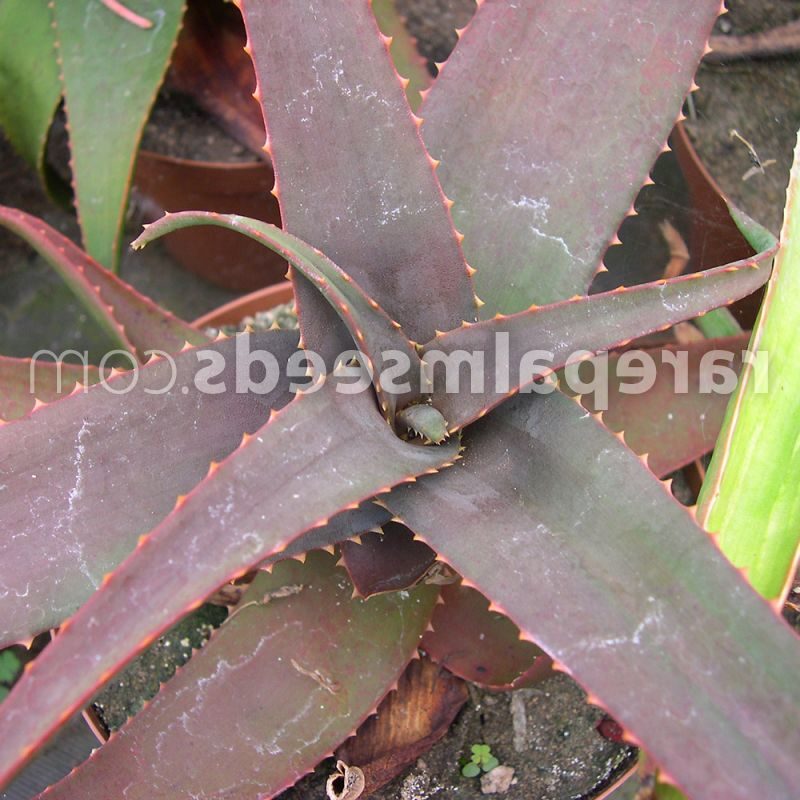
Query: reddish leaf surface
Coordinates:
[480,644]
[595,323]
[209,64]
[23,381]
[292,475]
[386,561]
[674,427]
[259,706]
[372,330]
[83,478]
[594,560]
[352,175]
[537,201]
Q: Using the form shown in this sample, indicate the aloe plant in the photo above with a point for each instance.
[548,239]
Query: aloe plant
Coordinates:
[82,51]
[528,497]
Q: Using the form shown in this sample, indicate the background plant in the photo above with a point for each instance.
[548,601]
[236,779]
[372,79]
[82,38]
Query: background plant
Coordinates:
[107,70]
[480,760]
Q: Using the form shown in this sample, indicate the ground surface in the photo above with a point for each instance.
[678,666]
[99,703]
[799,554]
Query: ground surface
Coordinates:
[558,755]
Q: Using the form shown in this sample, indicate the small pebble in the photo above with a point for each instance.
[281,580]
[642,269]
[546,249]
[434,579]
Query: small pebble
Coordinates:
[498,781]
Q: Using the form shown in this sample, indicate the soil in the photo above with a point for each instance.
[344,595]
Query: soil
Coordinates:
[141,680]
[547,734]
[433,23]
[560,756]
[760,100]
[179,128]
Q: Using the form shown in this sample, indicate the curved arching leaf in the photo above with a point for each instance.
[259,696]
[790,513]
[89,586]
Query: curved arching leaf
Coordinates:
[372,329]
[134,321]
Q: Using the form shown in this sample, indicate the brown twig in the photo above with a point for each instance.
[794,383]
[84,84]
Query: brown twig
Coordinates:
[773,43]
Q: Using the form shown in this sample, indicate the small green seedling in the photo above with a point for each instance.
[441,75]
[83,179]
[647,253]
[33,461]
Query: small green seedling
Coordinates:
[482,760]
[9,669]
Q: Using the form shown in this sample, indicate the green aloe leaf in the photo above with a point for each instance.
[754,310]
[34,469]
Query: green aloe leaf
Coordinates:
[750,498]
[596,562]
[111,71]
[259,706]
[289,477]
[547,118]
[352,175]
[29,83]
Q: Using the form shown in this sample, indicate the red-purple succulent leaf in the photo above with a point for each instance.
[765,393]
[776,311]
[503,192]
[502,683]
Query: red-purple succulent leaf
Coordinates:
[110,74]
[293,474]
[352,175]
[481,645]
[260,705]
[24,381]
[545,140]
[369,326]
[596,562]
[386,561]
[561,332]
[209,64]
[345,525]
[82,479]
[674,427]
[136,322]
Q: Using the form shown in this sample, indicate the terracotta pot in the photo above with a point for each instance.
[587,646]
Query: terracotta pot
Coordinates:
[714,239]
[223,257]
[246,306]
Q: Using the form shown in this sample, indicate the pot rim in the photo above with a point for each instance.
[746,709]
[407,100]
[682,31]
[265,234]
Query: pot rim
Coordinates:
[261,300]
[212,166]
